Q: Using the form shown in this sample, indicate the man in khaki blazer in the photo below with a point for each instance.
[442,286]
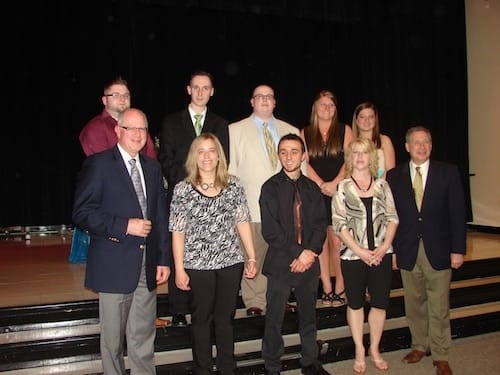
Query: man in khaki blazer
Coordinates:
[251,163]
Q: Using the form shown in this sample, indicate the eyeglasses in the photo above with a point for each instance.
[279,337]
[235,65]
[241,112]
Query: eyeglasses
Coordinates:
[134,129]
[117,95]
[262,96]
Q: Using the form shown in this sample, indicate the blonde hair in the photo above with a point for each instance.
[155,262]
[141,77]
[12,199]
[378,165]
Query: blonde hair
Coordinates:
[367,146]
[191,164]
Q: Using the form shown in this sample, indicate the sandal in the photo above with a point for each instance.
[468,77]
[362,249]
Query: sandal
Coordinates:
[327,299]
[339,300]
[380,364]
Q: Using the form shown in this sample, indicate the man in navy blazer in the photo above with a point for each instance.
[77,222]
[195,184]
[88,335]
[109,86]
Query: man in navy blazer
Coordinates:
[129,252]
[176,135]
[429,242]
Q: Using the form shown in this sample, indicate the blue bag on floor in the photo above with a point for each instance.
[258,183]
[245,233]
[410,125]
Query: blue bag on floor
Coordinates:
[79,246]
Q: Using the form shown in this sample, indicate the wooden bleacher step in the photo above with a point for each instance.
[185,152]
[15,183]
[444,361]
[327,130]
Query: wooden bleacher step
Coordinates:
[64,338]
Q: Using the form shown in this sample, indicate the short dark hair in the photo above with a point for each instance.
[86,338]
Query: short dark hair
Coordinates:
[115,81]
[293,137]
[203,74]
[418,128]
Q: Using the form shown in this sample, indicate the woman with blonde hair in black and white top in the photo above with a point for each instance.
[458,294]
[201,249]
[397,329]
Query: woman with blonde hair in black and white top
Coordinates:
[209,216]
[365,218]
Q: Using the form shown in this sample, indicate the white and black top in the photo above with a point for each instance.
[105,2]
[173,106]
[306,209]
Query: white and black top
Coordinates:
[209,223]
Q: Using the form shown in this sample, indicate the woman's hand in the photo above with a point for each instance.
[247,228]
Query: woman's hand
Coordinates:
[251,269]
[366,255]
[394,262]
[378,255]
[182,280]
[329,188]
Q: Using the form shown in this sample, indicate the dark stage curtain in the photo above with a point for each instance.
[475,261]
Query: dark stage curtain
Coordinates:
[408,57]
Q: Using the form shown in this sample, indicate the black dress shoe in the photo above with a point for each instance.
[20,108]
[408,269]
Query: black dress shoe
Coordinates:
[179,320]
[316,369]
[254,311]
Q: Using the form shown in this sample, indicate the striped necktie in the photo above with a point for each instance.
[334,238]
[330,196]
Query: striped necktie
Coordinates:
[270,146]
[136,180]
[297,214]
[197,124]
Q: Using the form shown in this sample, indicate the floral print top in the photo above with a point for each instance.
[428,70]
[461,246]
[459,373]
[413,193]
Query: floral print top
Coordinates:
[348,211]
[209,224]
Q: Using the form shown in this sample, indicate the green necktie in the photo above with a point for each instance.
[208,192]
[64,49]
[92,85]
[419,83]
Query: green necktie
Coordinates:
[418,187]
[270,146]
[198,125]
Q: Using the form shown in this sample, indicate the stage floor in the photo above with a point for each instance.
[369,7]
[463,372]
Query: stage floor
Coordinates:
[38,271]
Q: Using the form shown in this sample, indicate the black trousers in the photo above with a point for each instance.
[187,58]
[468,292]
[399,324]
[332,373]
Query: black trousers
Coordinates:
[358,276]
[278,292]
[214,299]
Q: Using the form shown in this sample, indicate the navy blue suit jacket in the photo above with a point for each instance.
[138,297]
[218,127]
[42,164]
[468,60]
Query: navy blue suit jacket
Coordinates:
[441,223]
[105,199]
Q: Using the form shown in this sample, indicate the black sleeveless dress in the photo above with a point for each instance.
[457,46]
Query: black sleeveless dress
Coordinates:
[327,167]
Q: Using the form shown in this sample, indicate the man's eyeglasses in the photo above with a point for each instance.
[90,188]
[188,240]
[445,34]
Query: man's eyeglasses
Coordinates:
[262,96]
[134,129]
[117,95]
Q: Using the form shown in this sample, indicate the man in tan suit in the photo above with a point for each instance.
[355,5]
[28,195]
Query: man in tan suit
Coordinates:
[251,161]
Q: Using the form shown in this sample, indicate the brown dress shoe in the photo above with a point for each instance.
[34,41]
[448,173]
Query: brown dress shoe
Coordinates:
[442,368]
[159,323]
[415,356]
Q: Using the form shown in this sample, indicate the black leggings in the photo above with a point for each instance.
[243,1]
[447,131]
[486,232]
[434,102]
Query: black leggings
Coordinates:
[358,276]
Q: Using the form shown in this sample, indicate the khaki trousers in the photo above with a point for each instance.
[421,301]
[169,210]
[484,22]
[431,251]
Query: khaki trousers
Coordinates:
[427,305]
[253,291]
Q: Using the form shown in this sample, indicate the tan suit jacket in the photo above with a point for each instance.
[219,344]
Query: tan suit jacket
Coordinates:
[249,160]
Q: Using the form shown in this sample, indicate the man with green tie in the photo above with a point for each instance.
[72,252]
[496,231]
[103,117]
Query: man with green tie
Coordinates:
[176,134]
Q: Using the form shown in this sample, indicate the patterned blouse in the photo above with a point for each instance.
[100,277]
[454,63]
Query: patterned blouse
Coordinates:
[209,224]
[348,211]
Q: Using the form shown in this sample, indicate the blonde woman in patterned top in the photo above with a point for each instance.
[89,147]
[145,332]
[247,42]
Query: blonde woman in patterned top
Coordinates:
[209,216]
[365,218]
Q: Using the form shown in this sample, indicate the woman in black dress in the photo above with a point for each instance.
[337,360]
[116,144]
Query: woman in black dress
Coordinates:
[326,138]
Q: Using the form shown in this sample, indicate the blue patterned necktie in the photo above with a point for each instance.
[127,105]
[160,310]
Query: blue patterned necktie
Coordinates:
[136,180]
